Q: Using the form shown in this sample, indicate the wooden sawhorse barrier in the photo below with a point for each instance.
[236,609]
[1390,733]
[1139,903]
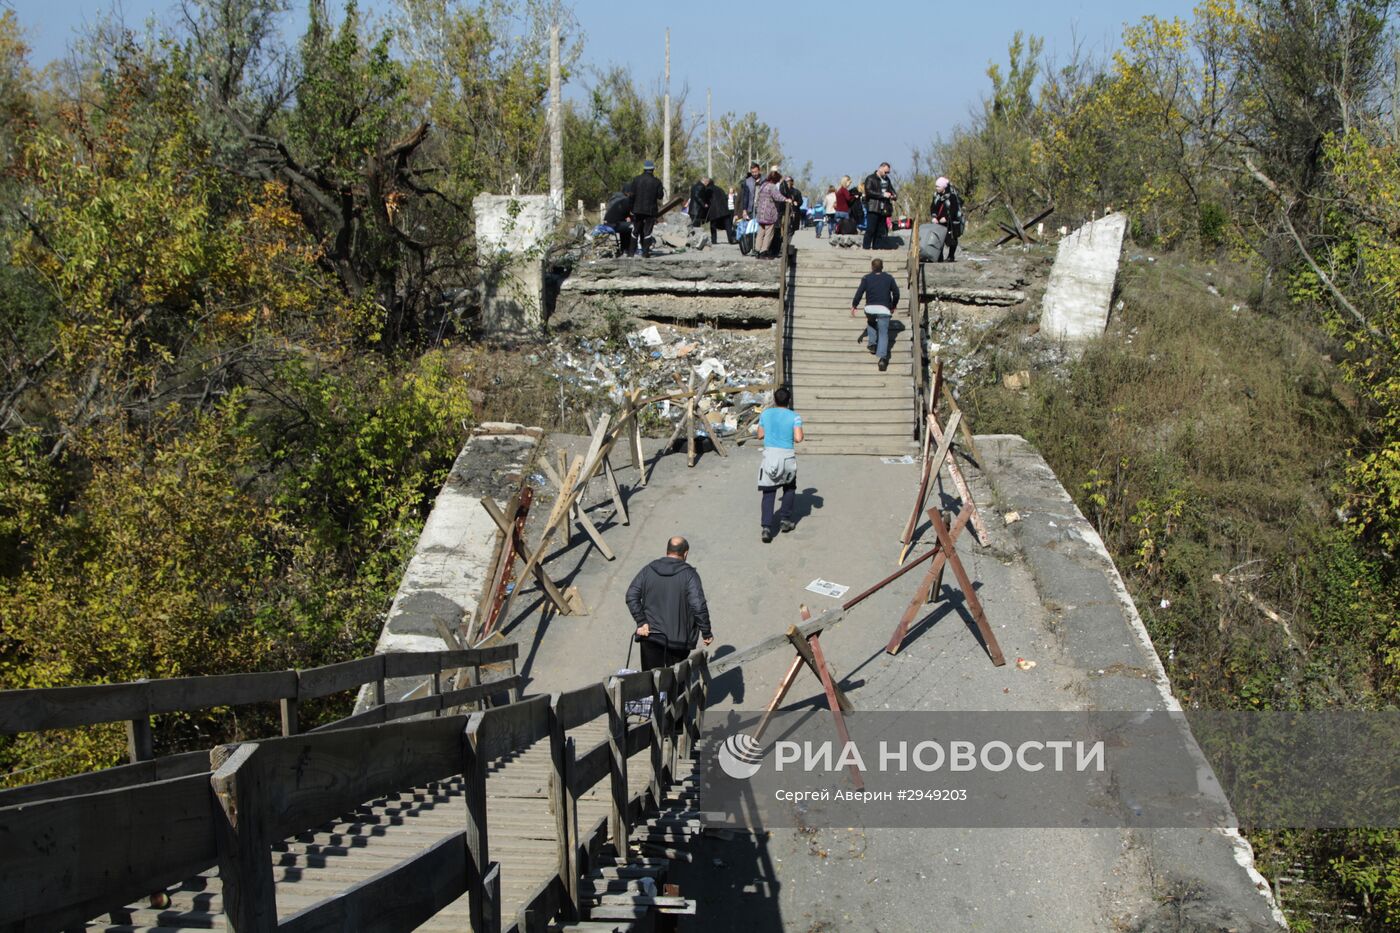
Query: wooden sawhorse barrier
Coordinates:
[809,654]
[944,554]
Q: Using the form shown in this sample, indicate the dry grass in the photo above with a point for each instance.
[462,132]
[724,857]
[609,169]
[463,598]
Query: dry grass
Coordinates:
[1198,435]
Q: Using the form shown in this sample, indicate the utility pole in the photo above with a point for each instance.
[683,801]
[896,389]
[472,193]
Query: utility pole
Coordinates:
[666,124]
[556,125]
[709,139]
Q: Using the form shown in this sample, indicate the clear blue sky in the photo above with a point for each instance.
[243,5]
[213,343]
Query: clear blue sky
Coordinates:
[803,67]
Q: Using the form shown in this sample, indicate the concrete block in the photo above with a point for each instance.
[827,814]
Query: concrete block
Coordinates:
[1077,297]
[446,575]
[511,233]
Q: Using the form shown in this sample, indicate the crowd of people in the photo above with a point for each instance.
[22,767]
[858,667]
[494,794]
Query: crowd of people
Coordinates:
[666,599]
[751,215]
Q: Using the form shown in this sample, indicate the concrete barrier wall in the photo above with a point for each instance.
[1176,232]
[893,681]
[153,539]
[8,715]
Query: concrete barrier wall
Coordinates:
[446,575]
[1077,297]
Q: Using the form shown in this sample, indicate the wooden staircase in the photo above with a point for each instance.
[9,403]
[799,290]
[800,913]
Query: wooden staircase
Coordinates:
[322,863]
[847,405]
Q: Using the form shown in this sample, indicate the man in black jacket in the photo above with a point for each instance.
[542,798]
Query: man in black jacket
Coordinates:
[718,213]
[646,194]
[696,206]
[747,206]
[618,216]
[879,205]
[668,605]
[881,294]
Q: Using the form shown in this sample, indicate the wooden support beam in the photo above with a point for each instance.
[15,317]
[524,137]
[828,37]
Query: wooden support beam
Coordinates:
[928,587]
[484,910]
[928,475]
[979,617]
[556,515]
[966,431]
[619,823]
[906,540]
[551,590]
[616,492]
[1018,231]
[594,534]
[245,861]
[810,650]
[979,527]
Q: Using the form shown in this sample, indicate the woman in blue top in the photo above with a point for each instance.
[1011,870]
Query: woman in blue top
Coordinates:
[780,429]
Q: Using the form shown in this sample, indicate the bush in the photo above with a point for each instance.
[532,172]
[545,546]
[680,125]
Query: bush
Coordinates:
[260,538]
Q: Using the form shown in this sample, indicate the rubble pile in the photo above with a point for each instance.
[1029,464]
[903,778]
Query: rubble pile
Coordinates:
[659,359]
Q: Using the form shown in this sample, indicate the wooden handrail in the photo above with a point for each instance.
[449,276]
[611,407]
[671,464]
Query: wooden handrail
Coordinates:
[41,708]
[62,862]
[780,328]
[916,312]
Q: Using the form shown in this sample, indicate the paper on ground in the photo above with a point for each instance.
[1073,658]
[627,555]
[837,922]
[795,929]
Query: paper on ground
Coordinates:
[904,459]
[827,588]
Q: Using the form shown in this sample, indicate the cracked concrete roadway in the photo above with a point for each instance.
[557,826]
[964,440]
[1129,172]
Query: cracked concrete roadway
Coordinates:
[1051,596]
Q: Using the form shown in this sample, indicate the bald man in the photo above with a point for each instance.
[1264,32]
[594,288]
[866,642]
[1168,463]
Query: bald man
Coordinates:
[668,606]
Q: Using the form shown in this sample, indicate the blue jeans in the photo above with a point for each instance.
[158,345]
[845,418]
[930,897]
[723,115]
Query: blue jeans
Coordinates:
[784,511]
[877,334]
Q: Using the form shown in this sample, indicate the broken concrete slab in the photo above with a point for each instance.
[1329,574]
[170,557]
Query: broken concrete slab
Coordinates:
[1077,298]
[448,571]
[511,232]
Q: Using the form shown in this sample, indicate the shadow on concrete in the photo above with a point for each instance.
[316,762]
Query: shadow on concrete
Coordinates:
[730,684]
[806,503]
[952,601]
[733,878]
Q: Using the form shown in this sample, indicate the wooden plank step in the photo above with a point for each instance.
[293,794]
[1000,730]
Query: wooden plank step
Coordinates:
[832,436]
[863,450]
[843,342]
[826,423]
[852,369]
[814,388]
[848,389]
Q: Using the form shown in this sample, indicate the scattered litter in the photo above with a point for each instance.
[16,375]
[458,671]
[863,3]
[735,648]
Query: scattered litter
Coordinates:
[1165,604]
[710,367]
[657,358]
[1011,518]
[1017,380]
[1024,664]
[907,458]
[827,588]
[1213,290]
[1053,525]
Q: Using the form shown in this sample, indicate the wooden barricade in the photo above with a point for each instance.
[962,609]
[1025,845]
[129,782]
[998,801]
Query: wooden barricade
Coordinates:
[933,465]
[808,648]
[944,554]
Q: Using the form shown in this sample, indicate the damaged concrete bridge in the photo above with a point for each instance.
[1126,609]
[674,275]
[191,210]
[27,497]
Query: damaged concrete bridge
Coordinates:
[524,783]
